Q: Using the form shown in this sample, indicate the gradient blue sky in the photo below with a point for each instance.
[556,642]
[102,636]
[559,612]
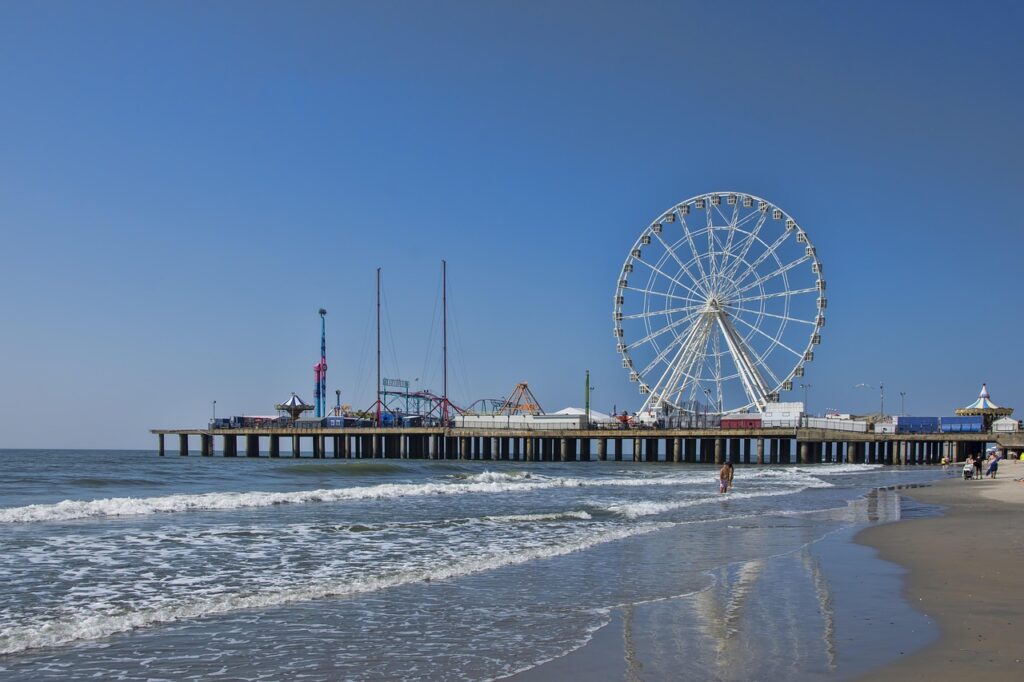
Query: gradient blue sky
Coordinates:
[184,184]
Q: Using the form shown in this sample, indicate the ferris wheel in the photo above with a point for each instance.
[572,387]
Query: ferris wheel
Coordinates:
[719,305]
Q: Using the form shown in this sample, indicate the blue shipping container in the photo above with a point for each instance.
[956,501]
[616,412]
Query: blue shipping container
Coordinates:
[917,425]
[963,424]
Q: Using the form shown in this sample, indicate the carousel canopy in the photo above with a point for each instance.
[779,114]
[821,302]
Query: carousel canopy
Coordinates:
[294,401]
[294,406]
[984,406]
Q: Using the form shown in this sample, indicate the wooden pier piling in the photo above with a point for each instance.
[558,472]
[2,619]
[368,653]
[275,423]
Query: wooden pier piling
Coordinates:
[679,446]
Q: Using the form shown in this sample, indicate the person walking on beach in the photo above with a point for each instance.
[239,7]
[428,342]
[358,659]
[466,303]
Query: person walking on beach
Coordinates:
[725,478]
[977,466]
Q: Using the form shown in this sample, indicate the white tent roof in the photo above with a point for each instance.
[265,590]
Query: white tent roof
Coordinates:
[595,416]
[294,401]
[983,402]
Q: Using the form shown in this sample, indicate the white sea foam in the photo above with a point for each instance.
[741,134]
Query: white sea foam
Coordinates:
[87,624]
[136,506]
[484,482]
[788,476]
[835,469]
[500,477]
[540,480]
[554,516]
[634,510]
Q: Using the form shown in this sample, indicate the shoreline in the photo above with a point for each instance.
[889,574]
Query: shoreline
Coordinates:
[824,623]
[965,570]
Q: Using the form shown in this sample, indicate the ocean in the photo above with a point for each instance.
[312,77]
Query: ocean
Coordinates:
[124,565]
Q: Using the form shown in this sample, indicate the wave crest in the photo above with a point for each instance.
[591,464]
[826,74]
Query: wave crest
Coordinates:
[96,626]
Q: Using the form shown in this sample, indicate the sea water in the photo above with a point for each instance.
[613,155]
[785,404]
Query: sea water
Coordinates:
[125,565]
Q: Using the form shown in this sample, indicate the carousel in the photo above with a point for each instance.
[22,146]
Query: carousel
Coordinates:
[984,407]
[294,406]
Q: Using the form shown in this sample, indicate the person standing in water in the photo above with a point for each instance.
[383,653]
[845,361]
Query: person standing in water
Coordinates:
[725,478]
[993,465]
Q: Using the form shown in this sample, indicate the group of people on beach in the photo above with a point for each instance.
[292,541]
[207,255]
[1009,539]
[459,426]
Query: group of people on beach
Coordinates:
[972,470]
[974,465]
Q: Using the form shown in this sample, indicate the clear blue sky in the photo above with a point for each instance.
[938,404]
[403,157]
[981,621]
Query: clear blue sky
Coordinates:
[184,184]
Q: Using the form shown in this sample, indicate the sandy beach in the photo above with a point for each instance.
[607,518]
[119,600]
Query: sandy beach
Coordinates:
[966,571]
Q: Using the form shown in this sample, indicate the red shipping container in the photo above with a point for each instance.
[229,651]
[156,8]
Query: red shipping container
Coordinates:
[742,423]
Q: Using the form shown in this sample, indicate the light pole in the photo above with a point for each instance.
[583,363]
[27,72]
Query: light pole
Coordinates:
[337,409]
[214,410]
[903,395]
[807,410]
[586,397]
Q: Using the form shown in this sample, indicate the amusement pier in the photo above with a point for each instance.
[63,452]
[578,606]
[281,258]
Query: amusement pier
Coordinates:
[517,432]
[746,446]
[718,311]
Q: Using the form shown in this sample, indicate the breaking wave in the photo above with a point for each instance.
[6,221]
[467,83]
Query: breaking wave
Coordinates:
[486,482]
[88,626]
[635,510]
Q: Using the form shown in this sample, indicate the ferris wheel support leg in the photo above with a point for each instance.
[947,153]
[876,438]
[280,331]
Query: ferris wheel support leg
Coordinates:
[753,384]
[661,389]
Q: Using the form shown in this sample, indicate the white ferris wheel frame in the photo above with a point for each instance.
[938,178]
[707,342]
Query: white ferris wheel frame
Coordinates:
[708,289]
